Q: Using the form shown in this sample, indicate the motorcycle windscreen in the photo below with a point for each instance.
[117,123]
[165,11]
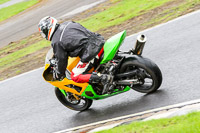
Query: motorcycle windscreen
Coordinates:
[112,45]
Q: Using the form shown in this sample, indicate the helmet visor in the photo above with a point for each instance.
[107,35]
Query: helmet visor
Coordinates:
[42,34]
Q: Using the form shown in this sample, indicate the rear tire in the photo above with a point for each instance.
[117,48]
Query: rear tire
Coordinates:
[74,106]
[146,65]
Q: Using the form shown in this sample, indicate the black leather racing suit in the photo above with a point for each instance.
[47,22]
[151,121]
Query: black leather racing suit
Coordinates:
[72,39]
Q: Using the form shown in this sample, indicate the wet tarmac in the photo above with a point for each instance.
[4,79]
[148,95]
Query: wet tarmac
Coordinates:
[28,103]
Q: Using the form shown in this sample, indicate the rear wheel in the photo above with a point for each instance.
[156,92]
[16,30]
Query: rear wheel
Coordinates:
[71,102]
[148,78]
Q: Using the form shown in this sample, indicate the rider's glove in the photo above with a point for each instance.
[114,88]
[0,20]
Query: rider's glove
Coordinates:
[57,75]
[53,62]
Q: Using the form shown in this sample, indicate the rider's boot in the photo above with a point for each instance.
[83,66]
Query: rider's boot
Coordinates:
[105,80]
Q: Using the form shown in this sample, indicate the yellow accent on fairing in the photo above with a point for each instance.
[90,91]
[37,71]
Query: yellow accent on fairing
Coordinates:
[46,66]
[72,62]
[62,85]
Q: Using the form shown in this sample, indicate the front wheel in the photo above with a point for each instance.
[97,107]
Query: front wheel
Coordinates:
[148,78]
[70,101]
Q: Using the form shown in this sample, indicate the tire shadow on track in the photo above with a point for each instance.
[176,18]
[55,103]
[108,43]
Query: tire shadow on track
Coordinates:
[145,102]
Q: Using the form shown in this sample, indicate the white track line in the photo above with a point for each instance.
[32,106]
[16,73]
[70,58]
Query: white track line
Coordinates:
[81,9]
[179,18]
[154,110]
[21,75]
[132,115]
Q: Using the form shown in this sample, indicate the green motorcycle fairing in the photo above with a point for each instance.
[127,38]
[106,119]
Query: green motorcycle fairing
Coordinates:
[98,97]
[112,45]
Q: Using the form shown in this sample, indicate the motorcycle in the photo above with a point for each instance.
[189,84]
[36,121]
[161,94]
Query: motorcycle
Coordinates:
[129,70]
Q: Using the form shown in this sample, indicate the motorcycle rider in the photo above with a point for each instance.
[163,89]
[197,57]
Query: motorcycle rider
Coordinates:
[72,39]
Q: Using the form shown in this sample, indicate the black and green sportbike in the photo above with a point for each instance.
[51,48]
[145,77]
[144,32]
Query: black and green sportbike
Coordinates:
[129,71]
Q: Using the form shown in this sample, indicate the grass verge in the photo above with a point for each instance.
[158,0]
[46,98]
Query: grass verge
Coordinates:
[107,19]
[10,11]
[120,12]
[180,124]
[174,12]
[22,56]
[11,59]
[3,1]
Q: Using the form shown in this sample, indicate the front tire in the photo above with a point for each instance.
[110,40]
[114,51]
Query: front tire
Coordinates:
[81,105]
[148,68]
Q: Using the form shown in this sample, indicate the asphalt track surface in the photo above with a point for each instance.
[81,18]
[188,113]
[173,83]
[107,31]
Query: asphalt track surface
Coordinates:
[28,104]
[26,24]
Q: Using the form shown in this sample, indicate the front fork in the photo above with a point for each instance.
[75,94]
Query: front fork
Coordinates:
[65,94]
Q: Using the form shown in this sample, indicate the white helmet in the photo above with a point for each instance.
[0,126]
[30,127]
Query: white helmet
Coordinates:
[47,26]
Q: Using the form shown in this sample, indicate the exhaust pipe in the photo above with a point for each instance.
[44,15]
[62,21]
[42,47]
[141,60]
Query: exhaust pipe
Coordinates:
[139,45]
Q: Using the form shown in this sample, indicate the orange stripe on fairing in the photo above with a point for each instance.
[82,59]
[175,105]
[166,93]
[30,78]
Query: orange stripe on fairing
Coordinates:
[39,30]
